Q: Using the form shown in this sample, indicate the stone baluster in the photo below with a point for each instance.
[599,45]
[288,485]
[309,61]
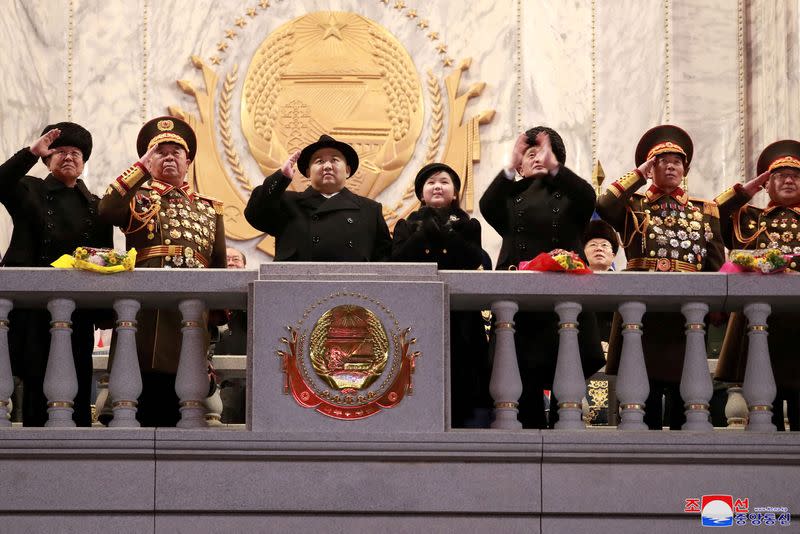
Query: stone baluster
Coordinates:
[736,408]
[569,387]
[125,381]
[60,379]
[214,408]
[6,378]
[506,384]
[696,387]
[759,382]
[191,382]
[632,384]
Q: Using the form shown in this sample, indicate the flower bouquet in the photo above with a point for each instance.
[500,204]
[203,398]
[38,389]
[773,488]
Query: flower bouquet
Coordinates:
[557,260]
[767,261]
[98,260]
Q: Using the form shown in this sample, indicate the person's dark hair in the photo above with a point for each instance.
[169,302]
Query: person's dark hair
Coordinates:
[555,141]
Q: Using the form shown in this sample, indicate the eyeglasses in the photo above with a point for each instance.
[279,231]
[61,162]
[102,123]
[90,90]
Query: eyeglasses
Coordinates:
[604,245]
[74,154]
[783,176]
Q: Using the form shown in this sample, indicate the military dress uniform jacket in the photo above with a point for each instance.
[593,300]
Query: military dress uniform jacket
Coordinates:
[49,220]
[309,227]
[751,228]
[669,233]
[535,215]
[169,227]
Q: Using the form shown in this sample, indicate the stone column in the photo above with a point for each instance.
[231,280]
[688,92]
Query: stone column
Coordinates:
[696,387]
[125,381]
[632,385]
[506,384]
[60,380]
[569,387]
[759,383]
[191,382]
[6,378]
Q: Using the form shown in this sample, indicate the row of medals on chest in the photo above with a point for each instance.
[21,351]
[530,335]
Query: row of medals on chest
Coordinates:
[782,234]
[676,229]
[182,220]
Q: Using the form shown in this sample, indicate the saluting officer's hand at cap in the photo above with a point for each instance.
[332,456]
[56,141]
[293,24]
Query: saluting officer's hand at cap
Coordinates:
[41,147]
[288,167]
[147,158]
[757,184]
[647,167]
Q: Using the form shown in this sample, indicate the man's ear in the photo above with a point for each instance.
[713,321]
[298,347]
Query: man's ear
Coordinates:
[188,162]
[347,169]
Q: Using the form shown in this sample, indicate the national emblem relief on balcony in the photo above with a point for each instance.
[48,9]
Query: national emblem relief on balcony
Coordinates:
[344,362]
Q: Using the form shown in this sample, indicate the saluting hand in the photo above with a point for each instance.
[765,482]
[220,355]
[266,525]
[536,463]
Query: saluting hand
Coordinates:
[41,147]
[288,167]
[546,155]
[147,159]
[646,168]
[757,184]
[518,152]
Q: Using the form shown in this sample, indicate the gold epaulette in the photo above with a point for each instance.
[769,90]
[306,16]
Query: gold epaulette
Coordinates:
[217,204]
[128,179]
[725,196]
[632,180]
[710,208]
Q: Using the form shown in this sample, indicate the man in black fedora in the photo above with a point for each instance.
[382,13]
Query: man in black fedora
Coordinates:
[51,217]
[327,221]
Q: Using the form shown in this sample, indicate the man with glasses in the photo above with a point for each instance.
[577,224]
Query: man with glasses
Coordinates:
[51,217]
[777,226]
[601,246]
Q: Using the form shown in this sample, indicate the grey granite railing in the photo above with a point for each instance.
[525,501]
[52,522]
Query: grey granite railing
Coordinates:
[633,294]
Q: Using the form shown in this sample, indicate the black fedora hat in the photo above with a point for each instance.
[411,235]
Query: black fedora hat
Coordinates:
[167,129]
[326,141]
[433,168]
[72,134]
[779,154]
[664,139]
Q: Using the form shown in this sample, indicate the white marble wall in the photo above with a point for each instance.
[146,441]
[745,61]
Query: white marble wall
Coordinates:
[112,79]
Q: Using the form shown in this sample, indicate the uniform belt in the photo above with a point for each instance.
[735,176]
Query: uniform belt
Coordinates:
[661,264]
[159,251]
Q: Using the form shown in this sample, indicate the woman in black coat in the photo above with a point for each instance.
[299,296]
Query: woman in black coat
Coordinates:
[547,208]
[442,232]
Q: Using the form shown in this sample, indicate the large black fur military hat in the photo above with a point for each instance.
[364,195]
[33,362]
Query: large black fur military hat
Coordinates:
[665,139]
[326,141]
[71,135]
[556,143]
[429,170]
[779,154]
[599,229]
[167,130]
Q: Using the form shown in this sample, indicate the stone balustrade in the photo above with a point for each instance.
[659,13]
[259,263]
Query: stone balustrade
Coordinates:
[632,294]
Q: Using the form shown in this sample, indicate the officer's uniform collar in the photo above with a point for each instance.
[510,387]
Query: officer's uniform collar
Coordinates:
[162,188]
[772,206]
[655,192]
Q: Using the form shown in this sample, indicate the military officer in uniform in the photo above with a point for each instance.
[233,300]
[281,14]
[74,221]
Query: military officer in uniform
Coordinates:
[51,217]
[170,226]
[327,221]
[662,230]
[547,208]
[775,227]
